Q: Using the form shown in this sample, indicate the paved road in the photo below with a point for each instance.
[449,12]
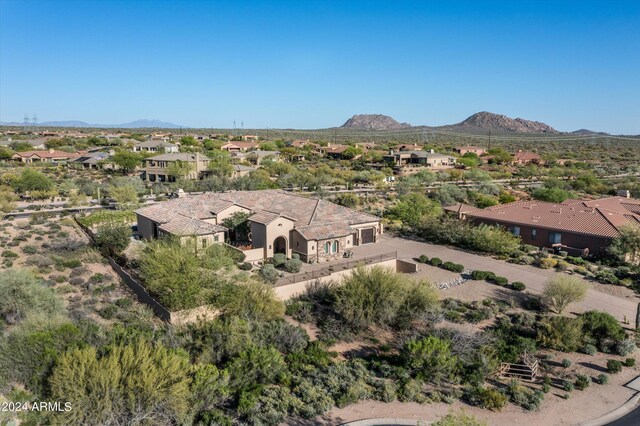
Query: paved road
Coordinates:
[631,419]
[534,278]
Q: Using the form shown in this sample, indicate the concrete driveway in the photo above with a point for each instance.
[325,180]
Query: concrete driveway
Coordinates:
[533,277]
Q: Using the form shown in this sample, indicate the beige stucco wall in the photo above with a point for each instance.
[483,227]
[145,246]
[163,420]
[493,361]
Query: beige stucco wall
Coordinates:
[228,212]
[286,292]
[210,239]
[281,227]
[145,227]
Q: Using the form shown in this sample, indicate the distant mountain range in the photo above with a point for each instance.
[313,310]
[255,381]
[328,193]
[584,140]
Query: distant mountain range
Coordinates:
[137,124]
[481,122]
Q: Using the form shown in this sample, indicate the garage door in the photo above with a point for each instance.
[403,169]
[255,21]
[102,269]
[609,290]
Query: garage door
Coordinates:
[367,235]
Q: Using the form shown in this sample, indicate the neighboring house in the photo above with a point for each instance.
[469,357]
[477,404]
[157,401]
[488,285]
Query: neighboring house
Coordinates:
[240,170]
[526,157]
[256,157]
[462,150]
[92,160]
[578,226]
[158,167]
[317,230]
[50,156]
[35,143]
[239,146]
[420,158]
[155,146]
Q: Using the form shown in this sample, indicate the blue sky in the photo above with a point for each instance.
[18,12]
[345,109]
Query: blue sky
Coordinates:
[313,64]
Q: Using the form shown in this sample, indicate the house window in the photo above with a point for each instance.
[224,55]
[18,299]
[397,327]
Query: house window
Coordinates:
[216,238]
[204,243]
[534,234]
[555,237]
[297,243]
[327,247]
[335,247]
[515,230]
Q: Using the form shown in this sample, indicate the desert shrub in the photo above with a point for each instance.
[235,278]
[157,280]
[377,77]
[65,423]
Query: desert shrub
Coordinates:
[582,382]
[113,237]
[293,265]
[66,245]
[562,290]
[430,358]
[252,300]
[488,398]
[625,347]
[29,351]
[567,386]
[547,263]
[607,277]
[285,337]
[71,263]
[423,258]
[108,311]
[629,362]
[380,296]
[22,294]
[562,266]
[80,377]
[76,281]
[410,391]
[29,250]
[602,329]
[9,254]
[453,267]
[459,419]
[614,366]
[39,261]
[279,259]
[245,266]
[435,261]
[124,302]
[589,349]
[518,286]
[501,281]
[560,333]
[566,363]
[479,275]
[602,379]
[269,274]
[523,396]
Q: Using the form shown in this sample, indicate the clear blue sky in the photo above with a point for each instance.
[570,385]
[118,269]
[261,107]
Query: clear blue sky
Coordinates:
[313,64]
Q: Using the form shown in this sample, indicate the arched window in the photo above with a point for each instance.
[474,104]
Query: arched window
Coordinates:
[335,246]
[327,247]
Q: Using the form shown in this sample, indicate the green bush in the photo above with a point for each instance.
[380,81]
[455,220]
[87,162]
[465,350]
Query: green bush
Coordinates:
[430,358]
[560,333]
[269,274]
[567,386]
[625,347]
[435,261]
[589,349]
[629,362]
[22,294]
[614,366]
[245,266]
[9,254]
[113,237]
[423,258]
[524,397]
[454,267]
[501,281]
[479,275]
[293,265]
[108,311]
[603,329]
[491,399]
[279,259]
[602,379]
[566,363]
[29,250]
[582,382]
[518,286]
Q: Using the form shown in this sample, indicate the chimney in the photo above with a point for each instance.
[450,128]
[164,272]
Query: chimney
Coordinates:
[432,151]
[390,151]
[51,150]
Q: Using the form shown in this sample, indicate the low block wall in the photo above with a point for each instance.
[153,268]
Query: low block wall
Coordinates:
[288,291]
[406,267]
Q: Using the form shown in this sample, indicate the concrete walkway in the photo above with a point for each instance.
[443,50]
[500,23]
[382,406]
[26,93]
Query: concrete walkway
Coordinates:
[534,278]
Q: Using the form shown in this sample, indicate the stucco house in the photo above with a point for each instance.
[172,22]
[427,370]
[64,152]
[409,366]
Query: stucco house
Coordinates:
[279,222]
[50,156]
[581,227]
[462,150]
[419,158]
[155,146]
[158,167]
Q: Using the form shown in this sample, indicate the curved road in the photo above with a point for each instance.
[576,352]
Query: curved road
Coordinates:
[631,419]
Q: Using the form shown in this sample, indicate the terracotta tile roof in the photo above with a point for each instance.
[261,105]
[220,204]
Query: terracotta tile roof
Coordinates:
[47,154]
[183,225]
[265,206]
[325,231]
[178,156]
[601,218]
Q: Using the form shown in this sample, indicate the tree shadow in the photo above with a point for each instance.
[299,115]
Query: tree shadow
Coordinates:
[594,366]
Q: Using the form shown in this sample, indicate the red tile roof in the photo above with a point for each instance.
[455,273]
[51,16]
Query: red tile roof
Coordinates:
[601,218]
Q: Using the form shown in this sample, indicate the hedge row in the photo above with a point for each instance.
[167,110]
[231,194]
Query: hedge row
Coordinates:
[492,278]
[436,261]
